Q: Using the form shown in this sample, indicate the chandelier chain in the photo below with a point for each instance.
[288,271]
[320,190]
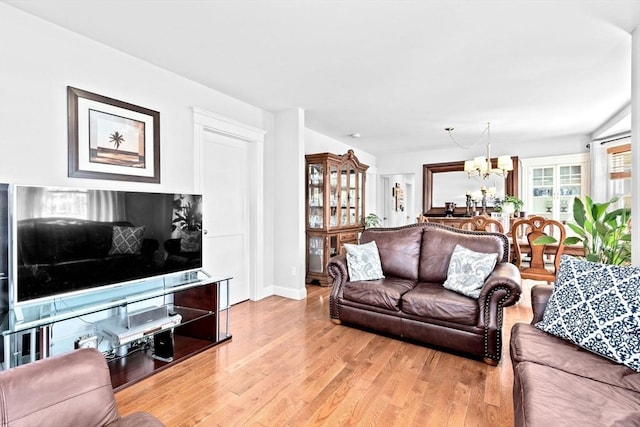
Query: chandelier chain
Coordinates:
[450,130]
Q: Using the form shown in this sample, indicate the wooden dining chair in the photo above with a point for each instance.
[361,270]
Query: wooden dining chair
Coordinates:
[482,223]
[544,259]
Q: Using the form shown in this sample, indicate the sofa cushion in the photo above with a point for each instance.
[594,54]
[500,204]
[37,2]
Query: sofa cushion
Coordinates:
[431,300]
[363,261]
[399,250]
[543,400]
[438,245]
[468,271]
[533,345]
[596,306]
[384,293]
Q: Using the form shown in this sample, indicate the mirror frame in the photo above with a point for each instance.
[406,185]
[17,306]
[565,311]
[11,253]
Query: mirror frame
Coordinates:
[511,184]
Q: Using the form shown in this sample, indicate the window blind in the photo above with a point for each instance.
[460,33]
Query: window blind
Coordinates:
[619,161]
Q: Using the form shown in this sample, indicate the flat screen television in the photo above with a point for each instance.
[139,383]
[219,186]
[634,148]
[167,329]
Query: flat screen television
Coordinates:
[73,240]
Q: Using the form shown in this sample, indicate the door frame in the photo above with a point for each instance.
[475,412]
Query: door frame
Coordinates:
[254,137]
[385,199]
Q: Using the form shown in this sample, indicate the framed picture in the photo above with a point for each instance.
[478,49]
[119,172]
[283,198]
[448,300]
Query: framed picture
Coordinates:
[111,139]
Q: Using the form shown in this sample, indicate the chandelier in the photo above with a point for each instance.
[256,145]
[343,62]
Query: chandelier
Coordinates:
[482,166]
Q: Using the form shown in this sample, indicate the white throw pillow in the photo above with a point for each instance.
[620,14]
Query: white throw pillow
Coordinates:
[468,271]
[363,262]
[597,307]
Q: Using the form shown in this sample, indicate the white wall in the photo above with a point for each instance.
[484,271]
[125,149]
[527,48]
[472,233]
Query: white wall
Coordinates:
[289,198]
[38,60]
[412,162]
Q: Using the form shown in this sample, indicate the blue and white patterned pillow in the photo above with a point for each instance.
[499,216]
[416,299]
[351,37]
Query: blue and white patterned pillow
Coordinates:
[468,271]
[363,261]
[597,307]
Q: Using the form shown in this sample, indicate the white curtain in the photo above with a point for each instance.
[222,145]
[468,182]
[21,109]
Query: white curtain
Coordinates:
[105,205]
[30,202]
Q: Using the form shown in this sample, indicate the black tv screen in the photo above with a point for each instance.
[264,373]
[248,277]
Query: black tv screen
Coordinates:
[69,240]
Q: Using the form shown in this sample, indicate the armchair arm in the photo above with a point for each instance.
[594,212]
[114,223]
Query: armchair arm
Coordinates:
[540,295]
[337,269]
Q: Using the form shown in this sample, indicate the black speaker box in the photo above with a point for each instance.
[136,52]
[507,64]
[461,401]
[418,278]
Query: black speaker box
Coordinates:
[163,345]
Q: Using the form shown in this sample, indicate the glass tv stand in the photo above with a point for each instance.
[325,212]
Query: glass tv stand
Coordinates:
[125,321]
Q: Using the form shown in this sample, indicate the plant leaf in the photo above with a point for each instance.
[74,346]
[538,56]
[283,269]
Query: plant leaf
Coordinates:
[578,211]
[572,240]
[576,229]
[545,240]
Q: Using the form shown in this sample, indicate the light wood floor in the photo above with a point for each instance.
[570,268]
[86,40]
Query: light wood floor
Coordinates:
[288,365]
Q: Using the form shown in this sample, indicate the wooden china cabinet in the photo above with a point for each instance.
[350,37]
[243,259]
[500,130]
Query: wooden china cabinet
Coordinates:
[334,209]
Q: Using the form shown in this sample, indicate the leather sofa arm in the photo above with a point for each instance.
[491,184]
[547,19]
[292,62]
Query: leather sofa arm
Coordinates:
[501,289]
[337,270]
[506,276]
[540,295]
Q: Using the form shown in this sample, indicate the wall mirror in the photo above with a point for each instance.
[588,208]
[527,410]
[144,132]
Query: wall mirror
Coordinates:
[447,182]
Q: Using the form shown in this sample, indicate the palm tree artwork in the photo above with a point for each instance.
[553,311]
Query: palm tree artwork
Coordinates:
[117,138]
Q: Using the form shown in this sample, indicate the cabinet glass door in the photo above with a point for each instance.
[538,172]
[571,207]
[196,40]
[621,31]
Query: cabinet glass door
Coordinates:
[344,195]
[543,182]
[359,206]
[333,196]
[316,254]
[352,197]
[570,184]
[553,188]
[316,195]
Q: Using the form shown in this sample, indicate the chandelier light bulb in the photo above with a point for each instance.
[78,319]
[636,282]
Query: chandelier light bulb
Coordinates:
[481,166]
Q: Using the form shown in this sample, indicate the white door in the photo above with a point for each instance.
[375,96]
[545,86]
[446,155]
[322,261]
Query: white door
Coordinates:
[225,212]
[409,212]
[386,202]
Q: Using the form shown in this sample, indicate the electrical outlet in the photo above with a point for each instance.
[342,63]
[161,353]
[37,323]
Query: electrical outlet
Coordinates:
[294,271]
[87,341]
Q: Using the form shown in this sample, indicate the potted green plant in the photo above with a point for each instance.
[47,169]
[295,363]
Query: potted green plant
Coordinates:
[510,204]
[603,232]
[372,220]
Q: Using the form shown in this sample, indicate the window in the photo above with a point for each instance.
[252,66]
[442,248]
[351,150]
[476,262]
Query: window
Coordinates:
[65,204]
[50,202]
[619,169]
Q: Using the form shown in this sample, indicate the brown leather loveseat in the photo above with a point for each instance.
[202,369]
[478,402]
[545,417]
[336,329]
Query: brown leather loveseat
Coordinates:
[73,389]
[411,302]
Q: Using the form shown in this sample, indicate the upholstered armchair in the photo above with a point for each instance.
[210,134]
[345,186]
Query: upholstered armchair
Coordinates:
[73,389]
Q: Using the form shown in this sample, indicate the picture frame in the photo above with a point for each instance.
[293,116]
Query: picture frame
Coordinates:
[112,139]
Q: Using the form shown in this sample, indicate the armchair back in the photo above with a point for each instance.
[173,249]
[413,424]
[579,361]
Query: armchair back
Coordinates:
[72,389]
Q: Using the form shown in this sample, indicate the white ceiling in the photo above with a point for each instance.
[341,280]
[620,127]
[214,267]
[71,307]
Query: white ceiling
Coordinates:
[397,72]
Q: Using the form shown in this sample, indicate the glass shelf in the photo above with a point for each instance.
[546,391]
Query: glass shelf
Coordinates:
[33,315]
